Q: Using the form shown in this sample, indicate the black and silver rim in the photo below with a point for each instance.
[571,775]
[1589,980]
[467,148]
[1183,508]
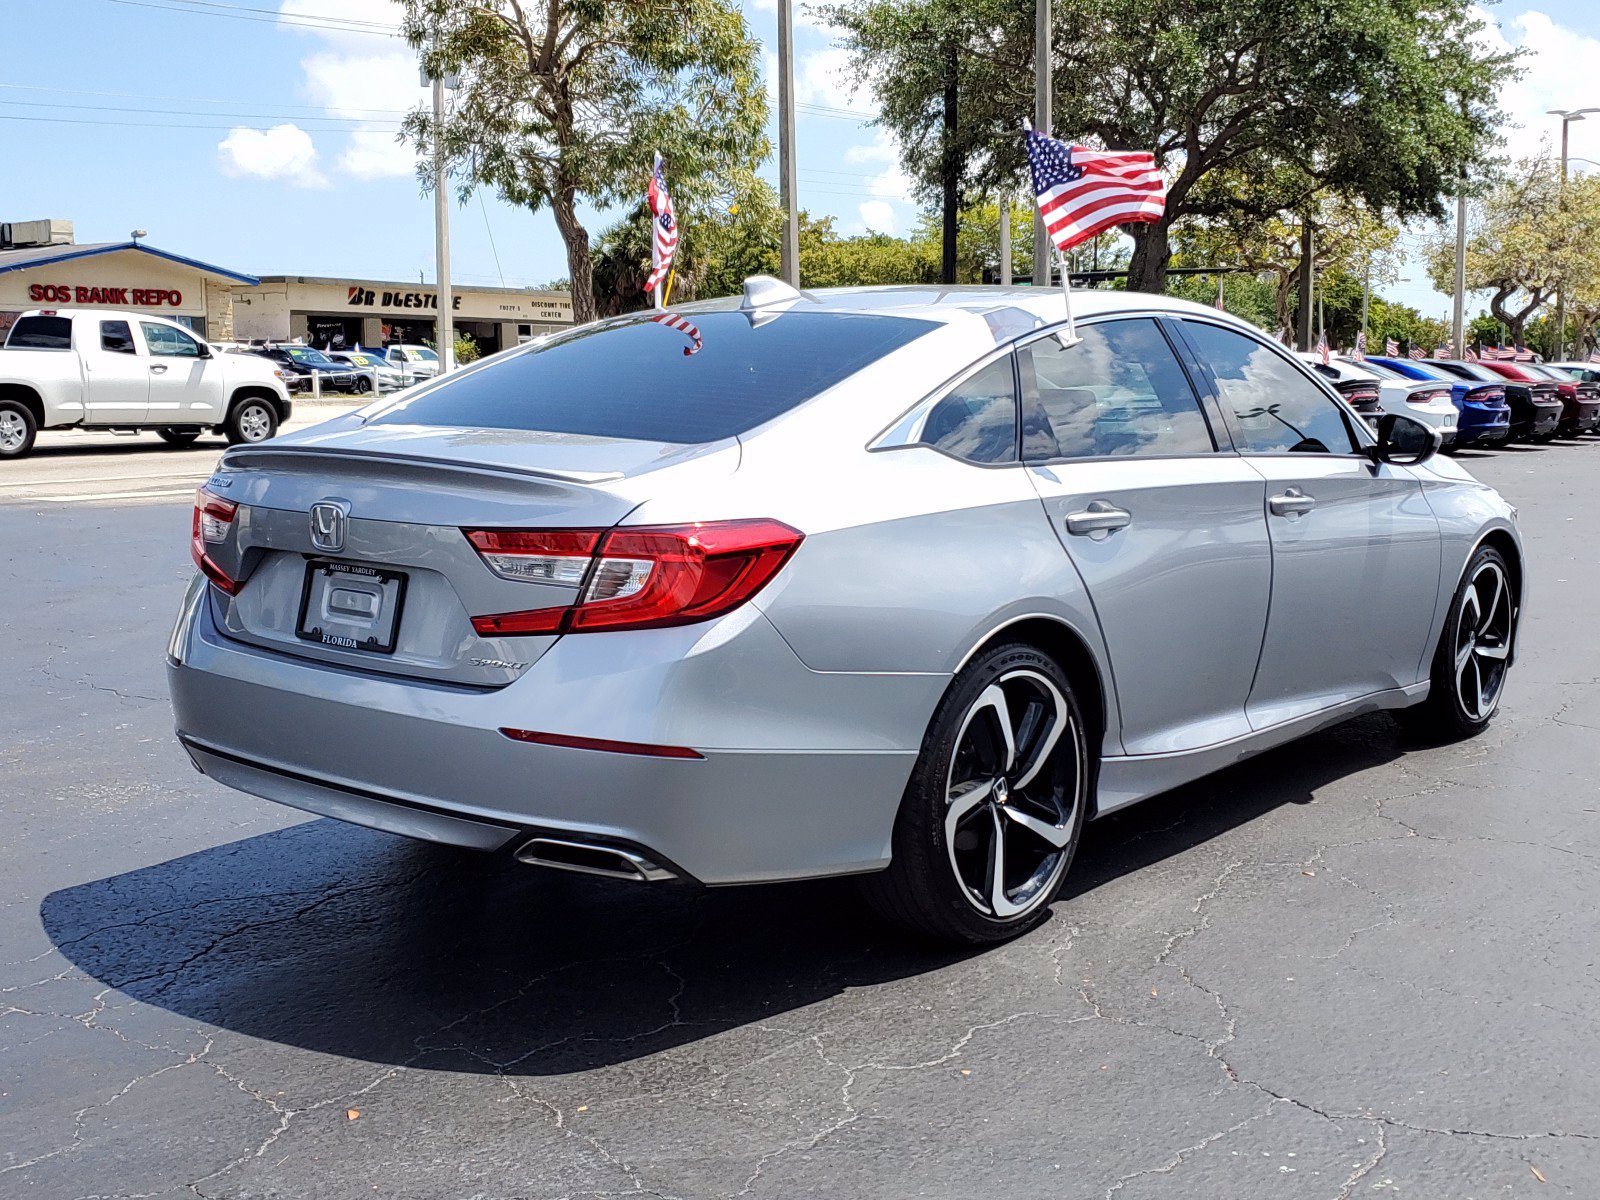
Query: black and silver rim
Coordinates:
[13,431]
[1483,640]
[1016,780]
[255,423]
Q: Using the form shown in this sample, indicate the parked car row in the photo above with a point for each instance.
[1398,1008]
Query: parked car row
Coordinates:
[349,371]
[1472,403]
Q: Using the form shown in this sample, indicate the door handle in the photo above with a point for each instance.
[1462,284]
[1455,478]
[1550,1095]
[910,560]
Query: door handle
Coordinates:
[1292,502]
[1099,520]
[158,368]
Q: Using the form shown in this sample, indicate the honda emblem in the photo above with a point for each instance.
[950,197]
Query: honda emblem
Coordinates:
[327,525]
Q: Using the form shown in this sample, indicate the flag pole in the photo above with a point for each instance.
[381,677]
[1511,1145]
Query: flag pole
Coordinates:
[1072,338]
[672,273]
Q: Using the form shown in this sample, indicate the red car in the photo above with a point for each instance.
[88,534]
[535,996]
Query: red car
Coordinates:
[1580,402]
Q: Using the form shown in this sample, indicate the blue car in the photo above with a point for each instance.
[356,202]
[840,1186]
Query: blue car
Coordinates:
[1485,417]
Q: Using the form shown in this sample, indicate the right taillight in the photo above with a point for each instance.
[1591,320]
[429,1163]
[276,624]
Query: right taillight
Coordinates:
[635,578]
[213,519]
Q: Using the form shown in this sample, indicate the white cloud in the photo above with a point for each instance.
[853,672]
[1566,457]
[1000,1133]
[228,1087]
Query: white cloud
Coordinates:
[1557,61]
[823,77]
[878,216]
[806,16]
[361,77]
[283,152]
[892,183]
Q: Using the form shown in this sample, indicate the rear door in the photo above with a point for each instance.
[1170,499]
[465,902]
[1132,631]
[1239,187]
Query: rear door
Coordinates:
[1163,522]
[1355,547]
[186,385]
[117,371]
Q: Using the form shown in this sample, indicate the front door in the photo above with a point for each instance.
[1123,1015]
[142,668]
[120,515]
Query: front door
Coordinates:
[185,381]
[118,376]
[1355,547]
[1165,529]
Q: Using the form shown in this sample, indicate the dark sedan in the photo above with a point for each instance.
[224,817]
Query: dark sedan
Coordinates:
[1580,401]
[1535,406]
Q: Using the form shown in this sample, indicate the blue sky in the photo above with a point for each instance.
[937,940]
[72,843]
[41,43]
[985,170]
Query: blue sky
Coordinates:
[259,141]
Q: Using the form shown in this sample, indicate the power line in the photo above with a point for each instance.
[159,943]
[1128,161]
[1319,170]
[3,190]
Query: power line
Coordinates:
[175,112]
[28,87]
[327,24]
[354,127]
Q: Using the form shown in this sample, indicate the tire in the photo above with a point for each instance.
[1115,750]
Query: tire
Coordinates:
[1474,653]
[18,429]
[363,385]
[179,437]
[251,420]
[965,785]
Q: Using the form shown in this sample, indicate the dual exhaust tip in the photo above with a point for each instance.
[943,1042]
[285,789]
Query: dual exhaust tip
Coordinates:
[588,858]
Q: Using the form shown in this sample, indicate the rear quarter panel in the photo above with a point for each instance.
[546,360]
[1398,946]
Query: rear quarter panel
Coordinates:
[55,376]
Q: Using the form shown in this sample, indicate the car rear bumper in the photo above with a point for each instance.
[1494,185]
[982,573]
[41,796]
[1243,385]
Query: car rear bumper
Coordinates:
[803,783]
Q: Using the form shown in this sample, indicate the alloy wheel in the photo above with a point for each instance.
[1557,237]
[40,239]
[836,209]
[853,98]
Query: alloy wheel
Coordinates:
[1483,640]
[254,422]
[1016,778]
[13,432]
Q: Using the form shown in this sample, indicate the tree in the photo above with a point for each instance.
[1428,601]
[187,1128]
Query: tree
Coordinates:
[1525,239]
[945,73]
[1382,101]
[1348,238]
[562,101]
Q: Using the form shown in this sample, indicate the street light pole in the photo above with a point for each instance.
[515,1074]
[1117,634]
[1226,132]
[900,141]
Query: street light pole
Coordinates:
[1041,121]
[444,326]
[1458,314]
[1005,241]
[789,243]
[1568,116]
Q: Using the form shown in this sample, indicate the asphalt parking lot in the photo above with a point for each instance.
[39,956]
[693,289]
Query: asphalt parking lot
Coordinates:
[1355,966]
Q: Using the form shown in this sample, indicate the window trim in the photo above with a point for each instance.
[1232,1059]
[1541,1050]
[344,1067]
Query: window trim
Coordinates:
[1355,426]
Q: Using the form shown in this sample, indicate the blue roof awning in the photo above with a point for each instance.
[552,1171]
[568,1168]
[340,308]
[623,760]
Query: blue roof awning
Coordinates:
[41,256]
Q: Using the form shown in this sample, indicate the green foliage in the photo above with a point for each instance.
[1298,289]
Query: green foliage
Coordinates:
[562,100]
[467,349]
[1251,106]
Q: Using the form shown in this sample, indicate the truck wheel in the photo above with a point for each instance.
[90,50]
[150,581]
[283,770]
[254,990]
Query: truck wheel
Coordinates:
[252,420]
[17,429]
[179,437]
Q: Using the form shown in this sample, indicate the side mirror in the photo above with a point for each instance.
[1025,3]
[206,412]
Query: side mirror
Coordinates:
[1404,442]
[205,350]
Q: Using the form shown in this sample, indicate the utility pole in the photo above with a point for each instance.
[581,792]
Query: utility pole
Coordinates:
[1005,241]
[444,325]
[788,187]
[1458,314]
[1304,338]
[1568,116]
[1041,121]
[1366,294]
[951,182]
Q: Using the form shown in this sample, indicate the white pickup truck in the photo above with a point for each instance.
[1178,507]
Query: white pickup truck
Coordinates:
[109,370]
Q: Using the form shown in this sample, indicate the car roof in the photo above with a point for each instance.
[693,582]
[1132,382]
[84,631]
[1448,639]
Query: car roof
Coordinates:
[954,303]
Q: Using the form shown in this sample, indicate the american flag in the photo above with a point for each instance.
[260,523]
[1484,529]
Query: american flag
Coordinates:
[1496,354]
[1444,352]
[664,243]
[1469,355]
[1322,347]
[687,328]
[1417,352]
[1522,354]
[1391,347]
[1082,192]
[1361,347]
[1595,357]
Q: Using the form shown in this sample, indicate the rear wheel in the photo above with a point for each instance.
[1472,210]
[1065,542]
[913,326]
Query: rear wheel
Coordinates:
[1469,667]
[17,429]
[179,437]
[252,420]
[991,816]
[363,385]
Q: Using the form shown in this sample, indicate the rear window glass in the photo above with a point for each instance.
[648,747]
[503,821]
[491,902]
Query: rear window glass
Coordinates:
[41,333]
[699,378]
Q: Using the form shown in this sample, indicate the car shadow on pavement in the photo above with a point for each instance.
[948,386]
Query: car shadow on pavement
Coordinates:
[345,941]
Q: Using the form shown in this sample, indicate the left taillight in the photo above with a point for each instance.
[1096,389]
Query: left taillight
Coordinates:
[639,578]
[213,519]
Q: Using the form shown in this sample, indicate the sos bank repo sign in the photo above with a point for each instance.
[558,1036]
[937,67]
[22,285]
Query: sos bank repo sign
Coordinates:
[114,297]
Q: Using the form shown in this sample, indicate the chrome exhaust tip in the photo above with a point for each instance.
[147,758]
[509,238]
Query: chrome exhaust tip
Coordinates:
[587,858]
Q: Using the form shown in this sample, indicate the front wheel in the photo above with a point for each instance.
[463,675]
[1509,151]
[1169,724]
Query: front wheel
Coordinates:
[251,421]
[179,437]
[1474,653]
[17,429]
[990,818]
[363,385]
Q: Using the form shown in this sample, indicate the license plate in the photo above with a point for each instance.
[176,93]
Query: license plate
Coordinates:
[351,606]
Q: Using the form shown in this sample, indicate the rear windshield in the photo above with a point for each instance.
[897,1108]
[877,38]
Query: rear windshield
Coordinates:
[703,377]
[41,333]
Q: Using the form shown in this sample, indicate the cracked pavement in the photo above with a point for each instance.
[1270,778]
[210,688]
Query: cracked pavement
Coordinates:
[1355,966]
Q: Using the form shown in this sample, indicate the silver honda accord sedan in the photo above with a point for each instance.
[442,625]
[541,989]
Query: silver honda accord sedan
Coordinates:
[904,583]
